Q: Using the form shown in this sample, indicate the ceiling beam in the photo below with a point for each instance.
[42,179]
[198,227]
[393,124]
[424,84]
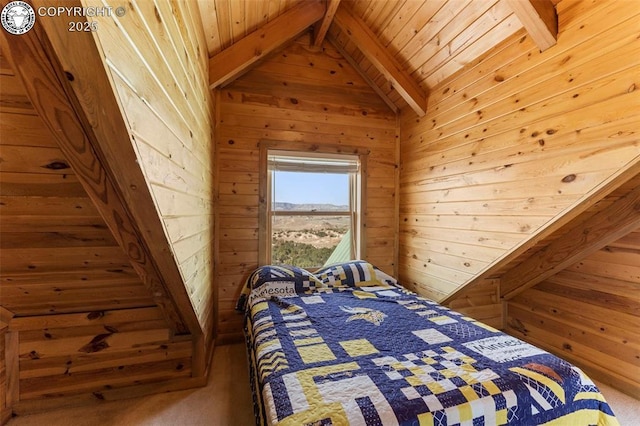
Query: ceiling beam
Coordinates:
[236,59]
[365,77]
[603,228]
[360,34]
[539,18]
[320,30]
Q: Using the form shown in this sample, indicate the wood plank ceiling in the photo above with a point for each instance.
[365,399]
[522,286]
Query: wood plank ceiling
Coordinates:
[401,47]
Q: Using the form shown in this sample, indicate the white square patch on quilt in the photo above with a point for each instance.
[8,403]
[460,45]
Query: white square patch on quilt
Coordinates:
[432,336]
[388,293]
[410,393]
[312,300]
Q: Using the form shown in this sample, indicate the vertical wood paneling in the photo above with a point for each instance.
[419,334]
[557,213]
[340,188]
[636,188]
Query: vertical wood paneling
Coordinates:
[589,313]
[307,97]
[158,68]
[511,143]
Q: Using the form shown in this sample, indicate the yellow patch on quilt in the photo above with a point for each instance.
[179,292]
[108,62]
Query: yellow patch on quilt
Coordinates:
[465,413]
[316,353]
[589,395]
[468,378]
[448,373]
[501,417]
[435,387]
[491,388]
[425,419]
[358,347]
[584,417]
[468,367]
[290,309]
[364,294]
[397,366]
[415,381]
[308,341]
[333,411]
[540,378]
[485,326]
[416,370]
[258,307]
[469,394]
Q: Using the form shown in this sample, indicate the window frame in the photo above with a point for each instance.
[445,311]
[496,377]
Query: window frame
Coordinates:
[309,150]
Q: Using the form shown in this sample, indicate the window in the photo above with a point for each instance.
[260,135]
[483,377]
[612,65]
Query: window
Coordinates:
[312,207]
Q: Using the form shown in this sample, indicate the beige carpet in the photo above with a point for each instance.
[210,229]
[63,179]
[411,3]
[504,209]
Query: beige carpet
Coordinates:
[225,401]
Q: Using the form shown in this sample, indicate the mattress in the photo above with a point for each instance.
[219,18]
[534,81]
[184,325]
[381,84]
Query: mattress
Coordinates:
[349,346]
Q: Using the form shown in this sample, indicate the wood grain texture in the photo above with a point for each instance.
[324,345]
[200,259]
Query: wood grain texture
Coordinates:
[589,313]
[539,19]
[539,132]
[607,226]
[44,84]
[320,29]
[386,64]
[233,61]
[63,270]
[158,76]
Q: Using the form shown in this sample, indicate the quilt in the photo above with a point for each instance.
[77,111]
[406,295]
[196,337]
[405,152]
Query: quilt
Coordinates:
[349,346]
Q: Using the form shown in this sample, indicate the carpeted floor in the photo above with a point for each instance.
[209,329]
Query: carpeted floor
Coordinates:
[225,401]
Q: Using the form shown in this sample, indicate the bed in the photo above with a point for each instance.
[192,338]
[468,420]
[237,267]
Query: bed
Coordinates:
[347,345]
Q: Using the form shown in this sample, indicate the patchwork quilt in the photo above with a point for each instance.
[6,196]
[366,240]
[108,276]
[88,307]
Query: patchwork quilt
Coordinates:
[349,346]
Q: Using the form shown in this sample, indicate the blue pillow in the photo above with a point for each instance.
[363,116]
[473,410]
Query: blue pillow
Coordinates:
[279,281]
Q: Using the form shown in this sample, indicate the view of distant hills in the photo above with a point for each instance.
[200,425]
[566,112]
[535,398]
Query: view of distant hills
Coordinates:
[280,206]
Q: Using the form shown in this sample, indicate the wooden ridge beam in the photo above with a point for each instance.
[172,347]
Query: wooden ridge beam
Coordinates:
[320,30]
[539,18]
[81,124]
[236,59]
[360,34]
[366,78]
[603,228]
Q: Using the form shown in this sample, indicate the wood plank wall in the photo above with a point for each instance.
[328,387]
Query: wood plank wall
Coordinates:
[80,309]
[307,97]
[512,141]
[589,313]
[156,56]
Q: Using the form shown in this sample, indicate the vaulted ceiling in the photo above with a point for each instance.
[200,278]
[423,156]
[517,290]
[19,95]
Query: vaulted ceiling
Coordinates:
[402,48]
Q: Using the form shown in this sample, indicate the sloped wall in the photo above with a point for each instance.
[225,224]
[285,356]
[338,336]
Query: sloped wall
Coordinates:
[513,141]
[156,56]
[72,307]
[307,97]
[589,313]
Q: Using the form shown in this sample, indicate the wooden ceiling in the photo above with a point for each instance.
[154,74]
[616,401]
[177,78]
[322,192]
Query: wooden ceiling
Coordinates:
[401,47]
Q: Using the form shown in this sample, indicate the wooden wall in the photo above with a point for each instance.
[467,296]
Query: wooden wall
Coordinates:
[311,98]
[156,56]
[589,314]
[513,141]
[71,305]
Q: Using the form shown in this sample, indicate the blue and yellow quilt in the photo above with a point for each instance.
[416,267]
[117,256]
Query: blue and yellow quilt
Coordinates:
[348,346]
